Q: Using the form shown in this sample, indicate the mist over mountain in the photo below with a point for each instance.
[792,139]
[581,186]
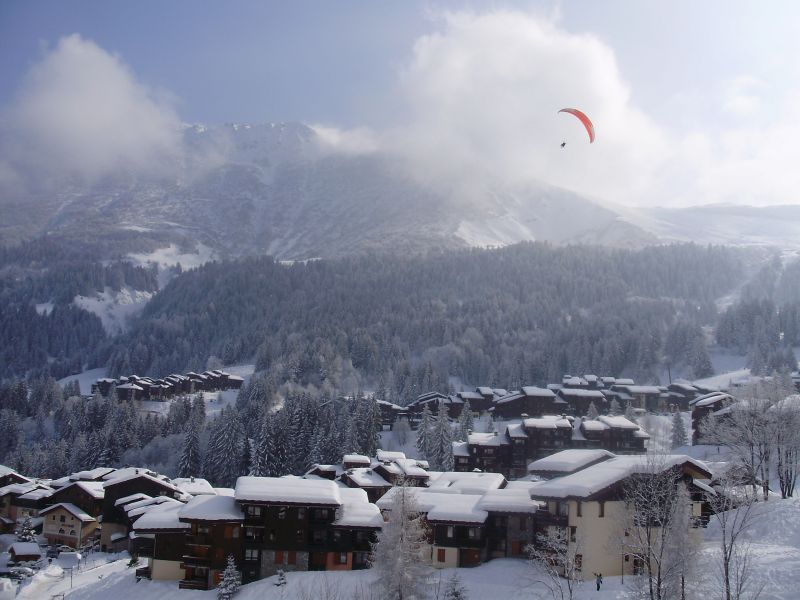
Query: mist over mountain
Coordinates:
[281,189]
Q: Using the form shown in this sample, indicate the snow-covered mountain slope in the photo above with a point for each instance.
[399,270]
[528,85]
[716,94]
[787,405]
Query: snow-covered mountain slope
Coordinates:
[278,189]
[721,224]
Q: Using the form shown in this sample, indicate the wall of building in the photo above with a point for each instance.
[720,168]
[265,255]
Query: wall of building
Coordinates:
[450,557]
[166,570]
[598,538]
[269,567]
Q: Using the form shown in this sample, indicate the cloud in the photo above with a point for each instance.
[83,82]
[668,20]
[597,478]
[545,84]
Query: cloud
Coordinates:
[359,140]
[741,98]
[481,98]
[80,112]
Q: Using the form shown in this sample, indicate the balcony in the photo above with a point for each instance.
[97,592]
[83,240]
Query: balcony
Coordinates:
[548,519]
[193,584]
[143,573]
[198,540]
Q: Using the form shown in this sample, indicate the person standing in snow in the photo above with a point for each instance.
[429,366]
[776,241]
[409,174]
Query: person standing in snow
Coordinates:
[598,580]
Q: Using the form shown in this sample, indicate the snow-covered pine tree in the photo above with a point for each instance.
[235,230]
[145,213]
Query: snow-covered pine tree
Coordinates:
[231,581]
[614,408]
[191,461]
[490,425]
[25,533]
[424,432]
[629,412]
[678,431]
[455,591]
[397,555]
[592,412]
[223,456]
[465,422]
[441,442]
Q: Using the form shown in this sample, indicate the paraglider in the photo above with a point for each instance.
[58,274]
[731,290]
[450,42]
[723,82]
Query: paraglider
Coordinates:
[587,123]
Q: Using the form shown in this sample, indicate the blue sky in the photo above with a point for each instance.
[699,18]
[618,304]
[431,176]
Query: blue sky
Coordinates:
[695,100]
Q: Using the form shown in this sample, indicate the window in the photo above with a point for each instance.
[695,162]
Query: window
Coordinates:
[523,523]
[578,562]
[473,533]
[320,513]
[252,554]
[318,536]
[301,513]
[488,451]
[337,535]
[440,555]
[602,509]
[61,530]
[203,530]
[291,558]
[62,519]
[253,511]
[53,518]
[278,557]
[562,509]
[572,533]
[282,512]
[450,531]
[72,532]
[578,509]
[342,558]
[271,535]
[235,533]
[501,544]
[300,535]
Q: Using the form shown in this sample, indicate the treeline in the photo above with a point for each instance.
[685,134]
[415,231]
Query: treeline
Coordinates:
[60,338]
[522,314]
[766,331]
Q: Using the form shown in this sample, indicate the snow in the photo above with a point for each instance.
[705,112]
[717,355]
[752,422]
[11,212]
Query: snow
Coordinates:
[724,381]
[617,422]
[357,511]
[509,500]
[537,391]
[568,461]
[547,422]
[356,458]
[387,455]
[44,308]
[115,308]
[212,508]
[25,549]
[194,486]
[71,508]
[367,477]
[487,439]
[172,255]
[459,508]
[163,516]
[467,483]
[287,490]
[85,379]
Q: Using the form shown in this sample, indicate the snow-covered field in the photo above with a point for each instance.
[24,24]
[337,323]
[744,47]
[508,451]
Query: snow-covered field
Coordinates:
[115,309]
[85,379]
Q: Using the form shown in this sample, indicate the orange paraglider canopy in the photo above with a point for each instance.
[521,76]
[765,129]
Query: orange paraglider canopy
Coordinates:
[584,119]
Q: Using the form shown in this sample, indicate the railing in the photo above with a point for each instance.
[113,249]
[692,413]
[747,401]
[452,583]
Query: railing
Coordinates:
[193,584]
[198,540]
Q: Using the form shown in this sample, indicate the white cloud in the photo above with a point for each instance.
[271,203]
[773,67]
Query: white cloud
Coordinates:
[81,112]
[482,97]
[359,140]
[741,97]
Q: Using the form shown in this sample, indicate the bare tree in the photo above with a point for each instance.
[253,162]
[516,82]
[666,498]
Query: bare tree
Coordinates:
[735,507]
[786,416]
[557,563]
[656,531]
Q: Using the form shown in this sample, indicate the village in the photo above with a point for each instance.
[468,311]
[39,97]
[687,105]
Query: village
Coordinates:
[558,460]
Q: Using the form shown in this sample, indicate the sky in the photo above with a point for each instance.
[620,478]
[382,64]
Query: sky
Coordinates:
[693,102]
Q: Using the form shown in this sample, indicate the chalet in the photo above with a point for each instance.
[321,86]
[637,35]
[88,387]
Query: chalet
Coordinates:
[478,402]
[485,452]
[530,401]
[9,476]
[647,397]
[566,462]
[394,466]
[574,382]
[546,434]
[21,500]
[215,532]
[614,433]
[389,412]
[20,552]
[366,479]
[103,386]
[353,532]
[681,393]
[509,527]
[129,391]
[291,524]
[86,495]
[127,485]
[161,539]
[579,399]
[586,506]
[353,461]
[194,486]
[704,405]
[66,524]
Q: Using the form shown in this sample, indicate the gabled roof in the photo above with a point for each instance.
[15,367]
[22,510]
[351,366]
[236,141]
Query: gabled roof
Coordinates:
[467,483]
[569,461]
[530,390]
[547,422]
[70,508]
[287,490]
[160,518]
[211,508]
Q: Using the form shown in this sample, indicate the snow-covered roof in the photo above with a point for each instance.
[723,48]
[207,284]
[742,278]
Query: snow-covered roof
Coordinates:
[624,381]
[467,483]
[70,508]
[485,391]
[581,393]
[641,389]
[134,509]
[25,549]
[487,439]
[132,498]
[470,395]
[356,458]
[357,511]
[547,422]
[711,398]
[161,517]
[411,467]
[508,500]
[37,493]
[617,422]
[93,474]
[287,490]
[569,461]
[515,430]
[530,390]
[4,470]
[195,486]
[592,479]
[367,477]
[211,508]
[460,449]
[454,508]
[593,425]
[94,488]
[389,455]
[129,473]
[567,380]
[130,386]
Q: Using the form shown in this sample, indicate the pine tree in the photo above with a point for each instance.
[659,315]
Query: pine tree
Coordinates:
[441,442]
[455,591]
[591,412]
[490,425]
[231,581]
[678,431]
[25,533]
[614,408]
[424,432]
[190,461]
[629,412]
[397,555]
[465,422]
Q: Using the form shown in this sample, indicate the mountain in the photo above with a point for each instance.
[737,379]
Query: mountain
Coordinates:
[276,189]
